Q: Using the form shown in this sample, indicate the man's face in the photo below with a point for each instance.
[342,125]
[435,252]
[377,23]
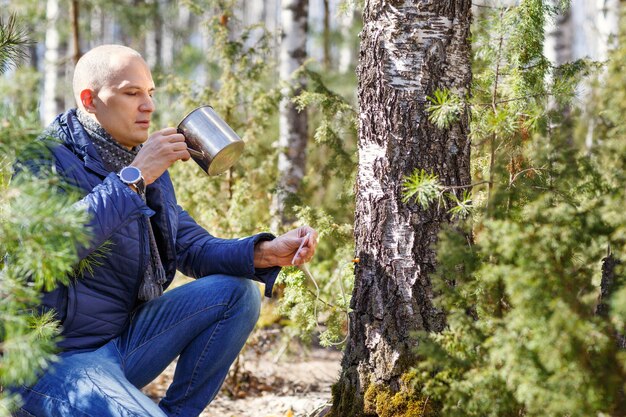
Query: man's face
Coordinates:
[124,106]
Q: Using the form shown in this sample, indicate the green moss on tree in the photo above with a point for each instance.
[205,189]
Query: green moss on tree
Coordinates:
[380,401]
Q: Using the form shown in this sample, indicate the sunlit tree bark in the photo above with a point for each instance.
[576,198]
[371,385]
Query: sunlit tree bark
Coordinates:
[409,49]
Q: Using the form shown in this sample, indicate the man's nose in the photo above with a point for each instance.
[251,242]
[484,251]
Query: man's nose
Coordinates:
[147,105]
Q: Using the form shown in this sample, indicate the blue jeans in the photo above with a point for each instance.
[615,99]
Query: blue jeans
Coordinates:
[206,322]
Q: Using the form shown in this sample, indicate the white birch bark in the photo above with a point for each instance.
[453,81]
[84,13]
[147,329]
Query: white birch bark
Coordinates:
[588,29]
[594,24]
[253,13]
[50,102]
[153,41]
[272,14]
[167,37]
[559,41]
[271,18]
[95,25]
[349,41]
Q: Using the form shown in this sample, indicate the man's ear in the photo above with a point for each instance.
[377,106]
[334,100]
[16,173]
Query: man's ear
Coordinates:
[86,97]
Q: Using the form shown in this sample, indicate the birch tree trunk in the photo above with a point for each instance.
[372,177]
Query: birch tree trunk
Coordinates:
[347,48]
[167,37]
[559,42]
[293,125]
[154,38]
[51,103]
[409,49]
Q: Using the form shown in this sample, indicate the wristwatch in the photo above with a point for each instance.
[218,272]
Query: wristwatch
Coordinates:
[132,176]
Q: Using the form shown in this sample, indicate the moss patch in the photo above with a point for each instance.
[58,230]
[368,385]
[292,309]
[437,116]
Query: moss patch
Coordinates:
[381,402]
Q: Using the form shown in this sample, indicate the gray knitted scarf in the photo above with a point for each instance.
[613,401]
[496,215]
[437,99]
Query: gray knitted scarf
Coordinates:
[115,157]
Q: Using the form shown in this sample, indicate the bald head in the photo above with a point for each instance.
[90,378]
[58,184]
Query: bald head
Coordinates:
[99,66]
[114,86]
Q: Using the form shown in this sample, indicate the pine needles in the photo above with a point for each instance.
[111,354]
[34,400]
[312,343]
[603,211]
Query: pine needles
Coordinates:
[13,43]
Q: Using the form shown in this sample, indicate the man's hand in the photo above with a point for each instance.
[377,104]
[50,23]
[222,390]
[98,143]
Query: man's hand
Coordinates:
[282,250]
[160,151]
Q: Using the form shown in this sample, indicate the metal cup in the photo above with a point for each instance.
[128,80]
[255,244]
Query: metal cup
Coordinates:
[210,141]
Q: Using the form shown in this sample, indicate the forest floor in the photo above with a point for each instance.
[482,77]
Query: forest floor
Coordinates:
[271,378]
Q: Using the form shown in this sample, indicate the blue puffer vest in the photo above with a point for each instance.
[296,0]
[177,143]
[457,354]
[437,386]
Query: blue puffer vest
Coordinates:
[97,305]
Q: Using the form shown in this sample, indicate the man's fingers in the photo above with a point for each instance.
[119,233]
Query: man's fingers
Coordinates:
[168,131]
[176,137]
[179,147]
[185,156]
[169,134]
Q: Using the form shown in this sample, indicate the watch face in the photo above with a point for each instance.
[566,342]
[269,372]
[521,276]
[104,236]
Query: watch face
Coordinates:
[130,175]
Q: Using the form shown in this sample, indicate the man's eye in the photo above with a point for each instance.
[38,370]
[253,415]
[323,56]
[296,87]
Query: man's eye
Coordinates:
[131,94]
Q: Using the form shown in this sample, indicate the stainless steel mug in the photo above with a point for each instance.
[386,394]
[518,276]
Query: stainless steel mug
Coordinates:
[210,141]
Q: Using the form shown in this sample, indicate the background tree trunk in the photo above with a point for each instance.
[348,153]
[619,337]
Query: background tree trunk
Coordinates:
[347,49]
[154,39]
[51,102]
[595,24]
[326,36]
[408,50]
[587,29]
[293,124]
[559,43]
[167,36]
[75,12]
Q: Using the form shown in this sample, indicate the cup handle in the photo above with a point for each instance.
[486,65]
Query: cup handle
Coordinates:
[195,153]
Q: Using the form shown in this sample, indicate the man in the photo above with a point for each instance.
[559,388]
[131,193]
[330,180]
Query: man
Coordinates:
[119,329]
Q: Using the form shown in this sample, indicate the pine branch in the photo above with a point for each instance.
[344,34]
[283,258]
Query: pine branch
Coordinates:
[13,43]
[496,102]
[457,187]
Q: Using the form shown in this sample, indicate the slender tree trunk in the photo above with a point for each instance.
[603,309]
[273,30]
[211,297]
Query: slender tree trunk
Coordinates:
[347,56]
[408,50]
[270,16]
[559,42]
[33,53]
[326,35]
[254,13]
[51,103]
[95,24]
[608,26]
[154,39]
[167,37]
[595,33]
[293,124]
[75,12]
